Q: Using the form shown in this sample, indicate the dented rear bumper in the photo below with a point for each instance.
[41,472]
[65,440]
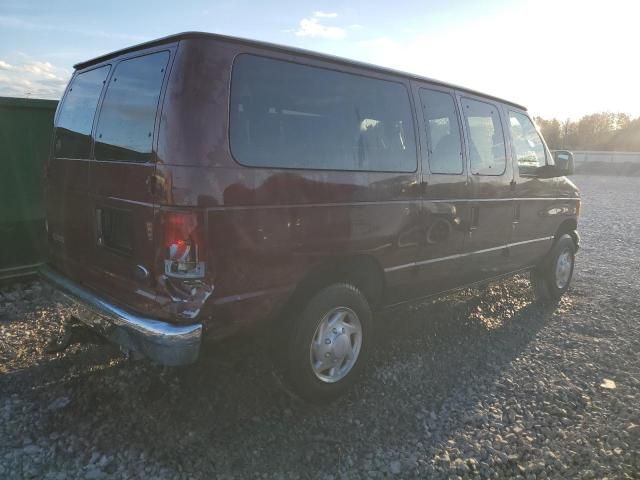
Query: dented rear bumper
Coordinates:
[160,341]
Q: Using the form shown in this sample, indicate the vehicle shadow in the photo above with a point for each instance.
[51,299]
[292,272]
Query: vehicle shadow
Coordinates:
[234,406]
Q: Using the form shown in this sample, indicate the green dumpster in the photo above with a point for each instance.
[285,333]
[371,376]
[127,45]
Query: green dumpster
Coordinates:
[25,135]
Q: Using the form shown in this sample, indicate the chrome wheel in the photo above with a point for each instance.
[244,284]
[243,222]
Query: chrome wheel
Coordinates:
[564,266]
[336,344]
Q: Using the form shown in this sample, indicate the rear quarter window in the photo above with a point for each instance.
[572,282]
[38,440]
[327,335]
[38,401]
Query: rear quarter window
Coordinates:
[287,115]
[75,119]
[128,113]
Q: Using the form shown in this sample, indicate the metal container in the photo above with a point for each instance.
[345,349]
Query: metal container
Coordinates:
[25,134]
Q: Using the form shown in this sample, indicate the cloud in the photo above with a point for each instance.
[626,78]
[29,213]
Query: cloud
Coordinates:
[42,69]
[566,75]
[32,79]
[311,27]
[20,24]
[6,66]
[321,14]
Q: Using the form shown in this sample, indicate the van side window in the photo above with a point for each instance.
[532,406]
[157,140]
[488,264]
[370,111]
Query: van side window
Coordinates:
[527,144]
[75,120]
[443,130]
[487,151]
[128,113]
[287,115]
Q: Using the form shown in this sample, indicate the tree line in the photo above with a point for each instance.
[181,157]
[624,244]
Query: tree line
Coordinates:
[598,131]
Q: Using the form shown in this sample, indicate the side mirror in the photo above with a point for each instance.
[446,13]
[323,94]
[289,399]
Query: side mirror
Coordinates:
[564,161]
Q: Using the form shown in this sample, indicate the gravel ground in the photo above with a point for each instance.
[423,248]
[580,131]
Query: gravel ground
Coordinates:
[482,384]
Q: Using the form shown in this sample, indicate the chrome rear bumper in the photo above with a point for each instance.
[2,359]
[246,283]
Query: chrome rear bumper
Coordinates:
[160,341]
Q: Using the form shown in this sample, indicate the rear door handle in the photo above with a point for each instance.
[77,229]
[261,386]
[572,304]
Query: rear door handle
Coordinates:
[152,184]
[99,234]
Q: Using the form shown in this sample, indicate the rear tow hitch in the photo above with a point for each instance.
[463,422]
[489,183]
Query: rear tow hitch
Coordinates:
[73,331]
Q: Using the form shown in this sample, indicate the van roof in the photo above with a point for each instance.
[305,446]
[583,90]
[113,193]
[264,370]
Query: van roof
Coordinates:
[282,48]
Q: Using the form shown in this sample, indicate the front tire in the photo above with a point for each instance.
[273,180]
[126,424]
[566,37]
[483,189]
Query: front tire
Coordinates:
[551,279]
[329,343]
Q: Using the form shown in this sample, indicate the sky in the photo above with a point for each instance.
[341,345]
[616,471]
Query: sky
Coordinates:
[560,58]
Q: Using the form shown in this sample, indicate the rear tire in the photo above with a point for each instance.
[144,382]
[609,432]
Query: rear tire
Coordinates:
[552,278]
[329,343]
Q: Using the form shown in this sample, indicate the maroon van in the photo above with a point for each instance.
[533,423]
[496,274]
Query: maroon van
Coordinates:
[202,185]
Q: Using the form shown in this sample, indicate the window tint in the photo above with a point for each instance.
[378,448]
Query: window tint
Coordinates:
[128,112]
[73,133]
[443,129]
[295,116]
[527,144]
[486,139]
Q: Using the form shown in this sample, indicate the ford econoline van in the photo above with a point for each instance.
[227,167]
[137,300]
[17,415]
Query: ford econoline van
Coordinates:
[200,186]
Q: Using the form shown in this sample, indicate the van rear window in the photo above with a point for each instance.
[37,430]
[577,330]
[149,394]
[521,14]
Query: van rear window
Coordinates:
[287,115]
[128,113]
[75,120]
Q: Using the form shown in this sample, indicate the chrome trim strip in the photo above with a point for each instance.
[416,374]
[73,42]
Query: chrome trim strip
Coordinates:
[386,202]
[160,341]
[132,202]
[417,201]
[528,199]
[246,296]
[466,254]
[541,239]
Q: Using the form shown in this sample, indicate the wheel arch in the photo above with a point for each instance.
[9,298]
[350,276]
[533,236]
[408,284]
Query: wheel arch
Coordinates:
[362,271]
[569,227]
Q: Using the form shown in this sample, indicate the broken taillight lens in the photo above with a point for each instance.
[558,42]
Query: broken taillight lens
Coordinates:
[182,238]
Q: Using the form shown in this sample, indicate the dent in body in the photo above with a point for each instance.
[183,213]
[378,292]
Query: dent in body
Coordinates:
[182,300]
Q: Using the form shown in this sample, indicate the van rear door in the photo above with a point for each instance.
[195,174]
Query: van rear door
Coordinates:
[67,177]
[122,178]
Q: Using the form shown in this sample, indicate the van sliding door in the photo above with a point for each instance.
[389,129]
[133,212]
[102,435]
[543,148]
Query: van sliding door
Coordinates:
[445,191]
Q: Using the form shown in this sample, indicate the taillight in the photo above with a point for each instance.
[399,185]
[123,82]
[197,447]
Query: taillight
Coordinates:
[182,240]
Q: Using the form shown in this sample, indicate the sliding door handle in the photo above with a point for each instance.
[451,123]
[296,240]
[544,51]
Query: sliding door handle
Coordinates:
[475,218]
